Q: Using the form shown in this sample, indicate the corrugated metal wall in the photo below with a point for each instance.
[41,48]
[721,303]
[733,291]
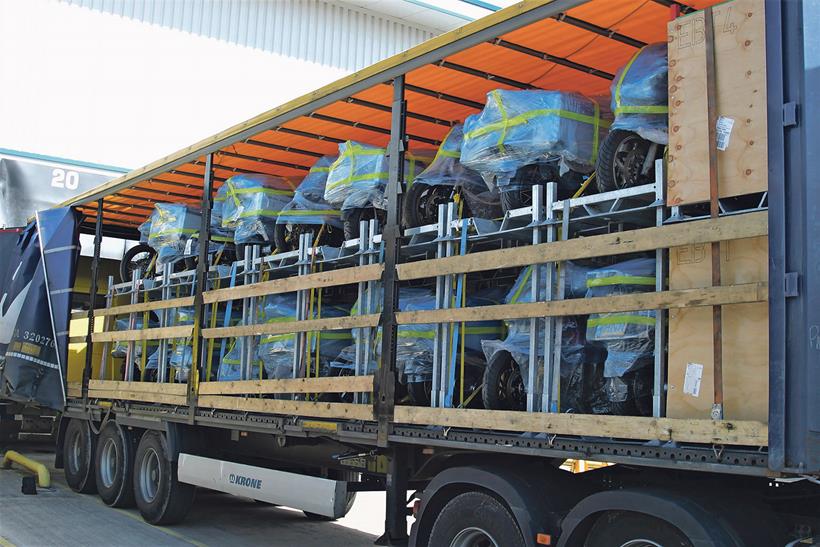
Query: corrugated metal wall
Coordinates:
[331,34]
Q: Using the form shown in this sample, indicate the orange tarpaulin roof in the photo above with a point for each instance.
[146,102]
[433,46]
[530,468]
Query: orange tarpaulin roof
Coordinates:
[573,51]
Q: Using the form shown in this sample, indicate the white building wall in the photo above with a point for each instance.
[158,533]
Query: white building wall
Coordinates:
[330,34]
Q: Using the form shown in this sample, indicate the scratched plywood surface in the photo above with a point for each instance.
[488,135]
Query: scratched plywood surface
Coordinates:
[745,329]
[740,63]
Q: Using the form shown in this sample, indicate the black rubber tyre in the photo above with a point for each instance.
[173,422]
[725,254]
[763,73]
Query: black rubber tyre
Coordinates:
[502,387]
[419,393]
[160,497]
[475,518]
[286,236]
[420,206]
[138,256]
[620,161]
[352,217]
[79,446]
[114,466]
[619,528]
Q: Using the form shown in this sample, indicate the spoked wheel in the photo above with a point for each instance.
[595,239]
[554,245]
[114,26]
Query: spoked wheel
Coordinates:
[421,203]
[286,235]
[503,387]
[625,160]
[138,257]
[516,198]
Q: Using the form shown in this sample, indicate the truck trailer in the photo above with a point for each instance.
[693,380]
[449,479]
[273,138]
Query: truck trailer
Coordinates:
[637,291]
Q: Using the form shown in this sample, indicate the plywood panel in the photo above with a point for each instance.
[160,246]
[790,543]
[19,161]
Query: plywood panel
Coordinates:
[745,335]
[740,63]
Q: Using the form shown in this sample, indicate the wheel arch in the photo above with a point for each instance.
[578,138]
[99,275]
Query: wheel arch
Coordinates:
[519,488]
[700,525]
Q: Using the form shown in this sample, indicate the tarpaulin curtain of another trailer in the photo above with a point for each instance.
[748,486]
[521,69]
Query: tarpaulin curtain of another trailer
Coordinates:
[36,279]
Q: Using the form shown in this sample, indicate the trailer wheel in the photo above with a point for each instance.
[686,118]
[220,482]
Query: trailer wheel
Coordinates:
[474,519]
[160,497]
[114,466]
[629,529]
[78,451]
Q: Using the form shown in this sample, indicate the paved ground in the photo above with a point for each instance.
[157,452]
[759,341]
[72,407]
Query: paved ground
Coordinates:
[62,517]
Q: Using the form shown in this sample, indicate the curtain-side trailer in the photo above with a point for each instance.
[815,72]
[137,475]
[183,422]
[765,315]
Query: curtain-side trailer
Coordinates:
[211,368]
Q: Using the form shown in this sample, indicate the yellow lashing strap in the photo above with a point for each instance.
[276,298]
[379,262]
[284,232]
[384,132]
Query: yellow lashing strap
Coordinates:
[620,319]
[620,280]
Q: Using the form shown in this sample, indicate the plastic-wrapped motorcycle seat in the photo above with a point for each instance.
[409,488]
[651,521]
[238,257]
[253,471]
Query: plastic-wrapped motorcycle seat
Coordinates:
[308,205]
[517,128]
[358,177]
[640,94]
[172,225]
[252,205]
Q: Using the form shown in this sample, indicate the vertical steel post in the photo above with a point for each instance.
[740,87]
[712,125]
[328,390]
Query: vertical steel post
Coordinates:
[92,301]
[552,370]
[386,377]
[201,280]
[533,385]
[661,267]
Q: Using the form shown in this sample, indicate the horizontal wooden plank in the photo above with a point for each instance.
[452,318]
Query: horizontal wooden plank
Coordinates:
[76,339]
[153,387]
[338,384]
[746,433]
[140,396]
[330,278]
[683,298]
[328,323]
[74,389]
[145,306]
[180,331]
[344,411]
[644,239]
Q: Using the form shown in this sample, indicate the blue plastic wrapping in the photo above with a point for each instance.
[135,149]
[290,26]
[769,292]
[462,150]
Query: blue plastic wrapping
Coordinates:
[358,177]
[276,350]
[172,225]
[145,230]
[629,337]
[252,205]
[447,170]
[640,94]
[517,128]
[120,348]
[230,368]
[220,233]
[308,205]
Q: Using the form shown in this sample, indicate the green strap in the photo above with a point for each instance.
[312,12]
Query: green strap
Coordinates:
[259,190]
[620,280]
[622,109]
[357,178]
[319,170]
[620,319]
[174,231]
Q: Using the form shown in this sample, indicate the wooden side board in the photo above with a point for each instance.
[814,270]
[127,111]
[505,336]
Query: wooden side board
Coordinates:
[744,433]
[330,278]
[180,331]
[684,298]
[339,384]
[644,239]
[74,389]
[342,411]
[328,323]
[146,392]
[145,306]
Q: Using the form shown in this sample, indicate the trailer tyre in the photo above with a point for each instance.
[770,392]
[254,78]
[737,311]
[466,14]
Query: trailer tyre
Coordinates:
[78,451]
[160,497]
[114,466]
[620,528]
[474,518]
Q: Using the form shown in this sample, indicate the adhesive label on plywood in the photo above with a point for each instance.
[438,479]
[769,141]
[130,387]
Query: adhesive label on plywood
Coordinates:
[740,67]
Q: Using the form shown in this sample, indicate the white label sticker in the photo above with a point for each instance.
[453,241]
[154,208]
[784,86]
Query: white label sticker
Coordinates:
[724,132]
[691,381]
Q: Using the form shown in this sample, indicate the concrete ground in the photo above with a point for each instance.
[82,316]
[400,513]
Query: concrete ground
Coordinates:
[58,516]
